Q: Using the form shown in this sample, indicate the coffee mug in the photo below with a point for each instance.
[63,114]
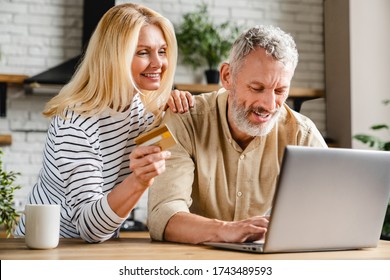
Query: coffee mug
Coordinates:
[42,225]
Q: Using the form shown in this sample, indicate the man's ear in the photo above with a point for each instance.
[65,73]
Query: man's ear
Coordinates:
[226,77]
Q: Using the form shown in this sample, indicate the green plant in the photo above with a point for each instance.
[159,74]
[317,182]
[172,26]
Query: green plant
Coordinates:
[8,214]
[386,224]
[374,141]
[378,143]
[202,42]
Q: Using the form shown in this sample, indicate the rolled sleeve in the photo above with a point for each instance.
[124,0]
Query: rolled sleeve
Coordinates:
[110,213]
[159,217]
[171,190]
[98,222]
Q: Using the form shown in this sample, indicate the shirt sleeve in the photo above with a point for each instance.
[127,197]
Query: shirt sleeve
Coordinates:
[171,193]
[303,129]
[79,161]
[312,136]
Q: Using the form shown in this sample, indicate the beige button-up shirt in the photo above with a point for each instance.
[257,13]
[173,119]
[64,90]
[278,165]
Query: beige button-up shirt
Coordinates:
[210,175]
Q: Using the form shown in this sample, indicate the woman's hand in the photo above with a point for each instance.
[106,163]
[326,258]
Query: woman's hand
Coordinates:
[180,101]
[147,162]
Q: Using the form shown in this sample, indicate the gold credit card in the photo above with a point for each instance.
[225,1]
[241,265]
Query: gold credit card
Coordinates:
[160,136]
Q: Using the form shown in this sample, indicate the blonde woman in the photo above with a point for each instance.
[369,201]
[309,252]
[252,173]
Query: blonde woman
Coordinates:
[91,166]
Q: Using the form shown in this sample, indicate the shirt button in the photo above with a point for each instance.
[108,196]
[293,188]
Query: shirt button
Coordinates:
[239,194]
[242,156]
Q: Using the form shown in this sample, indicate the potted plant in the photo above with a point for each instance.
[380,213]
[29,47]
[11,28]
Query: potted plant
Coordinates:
[201,42]
[8,214]
[376,142]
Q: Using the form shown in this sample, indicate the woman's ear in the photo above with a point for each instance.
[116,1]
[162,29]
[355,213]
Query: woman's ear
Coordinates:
[226,77]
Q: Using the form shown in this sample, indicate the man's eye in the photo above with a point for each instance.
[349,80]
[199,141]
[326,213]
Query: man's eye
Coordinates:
[280,92]
[257,89]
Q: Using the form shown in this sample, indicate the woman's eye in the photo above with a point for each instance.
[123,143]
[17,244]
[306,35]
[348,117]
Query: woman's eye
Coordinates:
[142,53]
[162,51]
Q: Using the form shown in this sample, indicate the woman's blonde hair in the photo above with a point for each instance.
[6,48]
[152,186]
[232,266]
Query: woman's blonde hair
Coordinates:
[104,78]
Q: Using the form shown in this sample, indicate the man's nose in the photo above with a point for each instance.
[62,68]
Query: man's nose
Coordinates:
[268,100]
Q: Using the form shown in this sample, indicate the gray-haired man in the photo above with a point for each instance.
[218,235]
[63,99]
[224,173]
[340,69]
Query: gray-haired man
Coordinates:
[221,177]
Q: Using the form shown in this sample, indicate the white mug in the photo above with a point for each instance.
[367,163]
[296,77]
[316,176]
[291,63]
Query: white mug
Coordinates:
[42,225]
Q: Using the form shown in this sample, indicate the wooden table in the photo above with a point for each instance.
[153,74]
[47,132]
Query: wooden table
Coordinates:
[138,246]
[296,95]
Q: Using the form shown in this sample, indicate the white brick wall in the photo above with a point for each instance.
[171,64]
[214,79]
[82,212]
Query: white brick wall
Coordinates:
[302,18]
[38,34]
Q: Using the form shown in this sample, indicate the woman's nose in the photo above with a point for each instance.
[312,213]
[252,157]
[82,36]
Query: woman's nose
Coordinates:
[156,61]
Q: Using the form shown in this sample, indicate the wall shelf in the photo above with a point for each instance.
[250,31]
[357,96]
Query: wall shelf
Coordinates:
[296,95]
[5,80]
[5,139]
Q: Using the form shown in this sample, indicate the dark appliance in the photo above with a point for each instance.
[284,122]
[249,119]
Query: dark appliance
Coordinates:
[62,73]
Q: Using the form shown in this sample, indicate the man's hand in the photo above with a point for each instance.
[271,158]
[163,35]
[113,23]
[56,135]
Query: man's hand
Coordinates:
[186,227]
[247,230]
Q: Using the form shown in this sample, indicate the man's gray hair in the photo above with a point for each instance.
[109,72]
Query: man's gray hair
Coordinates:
[275,41]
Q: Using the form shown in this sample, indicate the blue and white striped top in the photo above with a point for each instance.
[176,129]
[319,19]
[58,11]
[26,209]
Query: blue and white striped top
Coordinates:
[84,159]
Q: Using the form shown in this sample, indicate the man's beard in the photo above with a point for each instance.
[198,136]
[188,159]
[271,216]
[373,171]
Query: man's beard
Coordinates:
[240,117]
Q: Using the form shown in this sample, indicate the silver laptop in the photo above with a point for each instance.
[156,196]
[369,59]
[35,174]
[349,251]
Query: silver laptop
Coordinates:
[326,199]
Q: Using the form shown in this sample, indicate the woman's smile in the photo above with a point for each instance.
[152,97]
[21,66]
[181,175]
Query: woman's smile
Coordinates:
[150,60]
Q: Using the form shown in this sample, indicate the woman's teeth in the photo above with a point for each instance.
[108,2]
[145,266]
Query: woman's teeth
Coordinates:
[152,75]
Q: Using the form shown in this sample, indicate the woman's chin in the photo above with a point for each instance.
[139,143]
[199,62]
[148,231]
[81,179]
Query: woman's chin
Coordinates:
[150,87]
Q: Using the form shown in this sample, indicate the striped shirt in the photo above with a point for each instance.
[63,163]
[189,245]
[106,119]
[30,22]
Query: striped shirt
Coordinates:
[84,159]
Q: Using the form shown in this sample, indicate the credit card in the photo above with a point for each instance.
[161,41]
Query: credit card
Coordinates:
[160,136]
